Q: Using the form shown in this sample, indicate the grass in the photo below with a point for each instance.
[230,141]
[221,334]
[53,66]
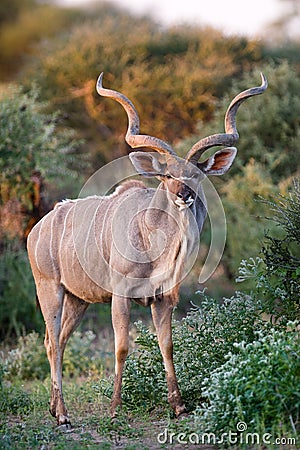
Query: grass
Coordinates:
[25,422]
[232,367]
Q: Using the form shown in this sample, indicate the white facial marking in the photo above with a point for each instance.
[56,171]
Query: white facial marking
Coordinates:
[189,201]
[184,204]
[182,178]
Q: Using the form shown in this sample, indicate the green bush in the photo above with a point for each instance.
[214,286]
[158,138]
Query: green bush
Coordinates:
[277,272]
[268,152]
[144,384]
[256,385]
[81,357]
[29,361]
[14,400]
[30,142]
[32,147]
[18,311]
[245,214]
[201,342]
[210,331]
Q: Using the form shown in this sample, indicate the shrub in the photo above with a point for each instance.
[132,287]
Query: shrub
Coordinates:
[256,385]
[268,152]
[28,360]
[277,272]
[31,142]
[80,356]
[282,256]
[245,215]
[201,342]
[18,312]
[144,384]
[210,331]
[14,400]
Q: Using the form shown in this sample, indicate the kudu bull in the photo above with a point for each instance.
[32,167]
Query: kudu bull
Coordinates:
[76,261]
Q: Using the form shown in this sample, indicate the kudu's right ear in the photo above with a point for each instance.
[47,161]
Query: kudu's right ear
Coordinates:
[148,164]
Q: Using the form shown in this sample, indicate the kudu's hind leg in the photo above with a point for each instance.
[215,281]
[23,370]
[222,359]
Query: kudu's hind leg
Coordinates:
[51,297]
[162,319]
[62,315]
[120,312]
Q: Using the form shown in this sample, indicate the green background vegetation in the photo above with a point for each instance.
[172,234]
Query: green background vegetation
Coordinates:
[55,131]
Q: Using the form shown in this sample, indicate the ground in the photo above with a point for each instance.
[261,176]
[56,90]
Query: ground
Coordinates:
[28,424]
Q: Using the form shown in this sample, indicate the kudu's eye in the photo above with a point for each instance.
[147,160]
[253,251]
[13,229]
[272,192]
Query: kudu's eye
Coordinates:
[168,175]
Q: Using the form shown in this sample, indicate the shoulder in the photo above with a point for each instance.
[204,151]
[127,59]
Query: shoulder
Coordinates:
[130,184]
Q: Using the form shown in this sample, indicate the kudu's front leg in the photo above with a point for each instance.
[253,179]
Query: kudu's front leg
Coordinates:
[120,311]
[162,319]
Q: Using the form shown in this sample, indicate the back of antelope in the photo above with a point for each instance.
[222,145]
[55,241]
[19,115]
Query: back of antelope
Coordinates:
[129,246]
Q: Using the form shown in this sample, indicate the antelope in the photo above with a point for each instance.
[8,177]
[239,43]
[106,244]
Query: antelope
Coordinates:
[131,245]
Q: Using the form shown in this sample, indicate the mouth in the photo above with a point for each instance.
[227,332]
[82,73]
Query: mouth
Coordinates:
[184,204]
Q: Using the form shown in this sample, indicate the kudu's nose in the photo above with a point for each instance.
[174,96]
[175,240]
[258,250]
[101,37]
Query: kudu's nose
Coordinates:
[184,195]
[184,199]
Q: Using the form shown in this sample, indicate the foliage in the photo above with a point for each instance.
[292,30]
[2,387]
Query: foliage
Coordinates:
[24,23]
[30,143]
[241,368]
[245,214]
[273,138]
[277,272]
[209,332]
[14,400]
[268,147]
[80,358]
[28,361]
[268,124]
[231,366]
[201,342]
[25,421]
[18,313]
[10,10]
[115,429]
[153,60]
[257,385]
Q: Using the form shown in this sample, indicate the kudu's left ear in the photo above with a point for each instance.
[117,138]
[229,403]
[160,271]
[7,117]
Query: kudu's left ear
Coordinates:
[148,164]
[219,163]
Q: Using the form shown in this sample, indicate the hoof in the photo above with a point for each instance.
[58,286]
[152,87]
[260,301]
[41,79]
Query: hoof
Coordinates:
[180,411]
[64,423]
[52,411]
[114,417]
[115,412]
